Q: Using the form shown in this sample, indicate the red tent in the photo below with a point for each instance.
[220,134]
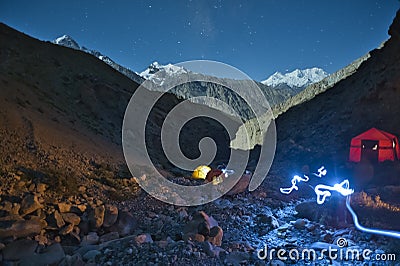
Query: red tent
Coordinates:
[374,145]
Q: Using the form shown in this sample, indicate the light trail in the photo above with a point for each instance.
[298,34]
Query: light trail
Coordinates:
[369,230]
[294,186]
[324,191]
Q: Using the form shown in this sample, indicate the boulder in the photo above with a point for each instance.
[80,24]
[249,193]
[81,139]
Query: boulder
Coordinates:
[23,228]
[125,224]
[216,234]
[300,224]
[59,219]
[205,226]
[75,260]
[110,215]
[96,216]
[71,218]
[268,219]
[91,255]
[91,239]
[67,229]
[19,249]
[29,204]
[41,188]
[241,184]
[52,255]
[64,207]
[109,236]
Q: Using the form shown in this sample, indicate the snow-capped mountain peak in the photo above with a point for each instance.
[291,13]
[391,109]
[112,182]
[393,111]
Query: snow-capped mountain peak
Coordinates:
[297,78]
[67,41]
[170,70]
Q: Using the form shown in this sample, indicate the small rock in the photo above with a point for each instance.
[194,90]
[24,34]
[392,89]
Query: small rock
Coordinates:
[64,207]
[300,224]
[6,206]
[125,224]
[237,258]
[31,187]
[19,249]
[323,245]
[91,255]
[152,215]
[144,238]
[41,239]
[341,232]
[15,208]
[326,237]
[91,239]
[216,234]
[309,210]
[21,184]
[96,216]
[277,263]
[199,238]
[75,260]
[109,236]
[71,218]
[41,188]
[269,220]
[311,227]
[212,250]
[110,215]
[162,243]
[59,219]
[29,204]
[75,233]
[283,228]
[241,185]
[81,207]
[182,214]
[67,229]
[200,224]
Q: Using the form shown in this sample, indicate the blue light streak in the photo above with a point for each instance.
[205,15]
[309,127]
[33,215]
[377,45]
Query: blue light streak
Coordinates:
[324,191]
[369,230]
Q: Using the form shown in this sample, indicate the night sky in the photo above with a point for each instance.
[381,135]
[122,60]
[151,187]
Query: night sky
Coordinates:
[258,37]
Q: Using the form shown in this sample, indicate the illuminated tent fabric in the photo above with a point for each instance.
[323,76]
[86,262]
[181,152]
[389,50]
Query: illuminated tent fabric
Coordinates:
[374,144]
[201,172]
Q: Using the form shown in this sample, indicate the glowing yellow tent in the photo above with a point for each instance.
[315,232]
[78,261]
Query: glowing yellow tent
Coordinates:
[201,172]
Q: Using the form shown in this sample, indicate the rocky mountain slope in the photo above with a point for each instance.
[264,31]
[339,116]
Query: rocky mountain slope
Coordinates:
[67,41]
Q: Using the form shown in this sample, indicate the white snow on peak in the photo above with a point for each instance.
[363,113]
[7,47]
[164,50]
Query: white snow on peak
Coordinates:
[60,39]
[67,41]
[169,69]
[297,78]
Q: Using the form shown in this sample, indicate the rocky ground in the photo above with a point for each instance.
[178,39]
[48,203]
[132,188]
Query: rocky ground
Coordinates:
[41,227]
